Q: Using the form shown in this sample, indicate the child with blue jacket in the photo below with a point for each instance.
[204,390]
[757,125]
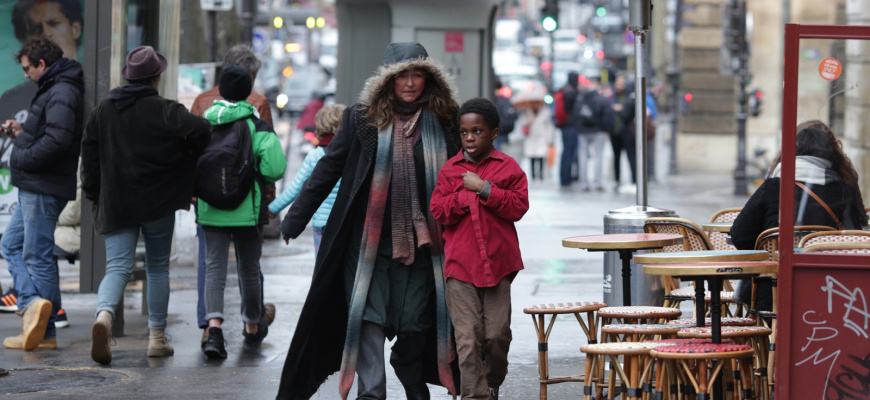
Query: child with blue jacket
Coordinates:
[327,122]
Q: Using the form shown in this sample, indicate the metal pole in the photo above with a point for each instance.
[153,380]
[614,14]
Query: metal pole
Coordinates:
[639,23]
[740,178]
[675,87]
[640,121]
[212,35]
[246,21]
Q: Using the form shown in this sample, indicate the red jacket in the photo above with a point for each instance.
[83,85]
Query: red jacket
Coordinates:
[481,245]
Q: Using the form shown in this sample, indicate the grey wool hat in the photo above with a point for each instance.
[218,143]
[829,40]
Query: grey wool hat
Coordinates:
[404,51]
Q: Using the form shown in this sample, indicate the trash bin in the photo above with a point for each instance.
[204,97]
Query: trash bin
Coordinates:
[647,290]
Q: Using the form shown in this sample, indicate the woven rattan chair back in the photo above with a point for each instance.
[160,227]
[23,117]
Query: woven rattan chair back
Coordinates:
[694,237]
[835,237]
[719,240]
[769,239]
[856,248]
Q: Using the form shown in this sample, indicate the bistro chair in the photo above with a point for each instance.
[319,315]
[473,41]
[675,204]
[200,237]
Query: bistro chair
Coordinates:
[693,358]
[635,372]
[861,248]
[694,240]
[769,239]
[719,240]
[757,337]
[539,313]
[835,237]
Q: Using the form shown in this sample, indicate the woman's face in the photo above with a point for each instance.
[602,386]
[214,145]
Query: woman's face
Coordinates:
[410,84]
[56,27]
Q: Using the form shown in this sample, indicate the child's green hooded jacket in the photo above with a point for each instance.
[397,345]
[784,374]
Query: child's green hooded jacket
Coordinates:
[270,165]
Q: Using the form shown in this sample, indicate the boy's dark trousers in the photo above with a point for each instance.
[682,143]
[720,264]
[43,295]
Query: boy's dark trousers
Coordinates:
[482,327]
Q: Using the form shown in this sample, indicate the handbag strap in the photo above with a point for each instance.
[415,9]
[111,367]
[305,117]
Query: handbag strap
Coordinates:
[828,209]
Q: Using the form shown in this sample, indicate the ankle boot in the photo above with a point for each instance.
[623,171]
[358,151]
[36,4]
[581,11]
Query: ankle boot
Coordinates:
[157,344]
[101,335]
[417,392]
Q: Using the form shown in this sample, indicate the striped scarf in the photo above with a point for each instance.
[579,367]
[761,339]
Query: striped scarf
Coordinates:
[407,220]
[435,154]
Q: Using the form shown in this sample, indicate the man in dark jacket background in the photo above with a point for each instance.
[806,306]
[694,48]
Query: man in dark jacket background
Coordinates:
[570,140]
[43,166]
[139,155]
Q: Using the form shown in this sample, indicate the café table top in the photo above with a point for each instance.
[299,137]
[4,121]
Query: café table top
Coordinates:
[724,227]
[681,257]
[622,241]
[738,268]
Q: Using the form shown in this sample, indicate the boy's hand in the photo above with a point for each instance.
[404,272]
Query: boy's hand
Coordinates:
[472,182]
[11,128]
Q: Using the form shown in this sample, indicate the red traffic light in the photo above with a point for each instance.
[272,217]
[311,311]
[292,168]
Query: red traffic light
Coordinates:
[599,54]
[759,94]
[505,91]
[688,97]
[581,38]
[546,65]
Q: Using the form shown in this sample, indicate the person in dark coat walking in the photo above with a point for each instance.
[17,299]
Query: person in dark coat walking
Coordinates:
[381,246]
[568,164]
[622,135]
[139,154]
[43,167]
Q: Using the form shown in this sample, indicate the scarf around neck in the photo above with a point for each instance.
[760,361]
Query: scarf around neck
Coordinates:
[407,220]
[405,108]
[810,169]
[435,155]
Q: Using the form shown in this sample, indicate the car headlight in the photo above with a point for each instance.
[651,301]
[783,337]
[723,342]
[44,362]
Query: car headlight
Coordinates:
[282,100]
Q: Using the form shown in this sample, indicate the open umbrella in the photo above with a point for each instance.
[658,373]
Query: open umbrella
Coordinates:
[526,99]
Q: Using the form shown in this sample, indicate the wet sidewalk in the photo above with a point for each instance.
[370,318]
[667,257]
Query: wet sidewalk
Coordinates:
[553,274]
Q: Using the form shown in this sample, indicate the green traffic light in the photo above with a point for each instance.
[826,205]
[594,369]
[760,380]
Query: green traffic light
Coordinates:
[601,11]
[549,24]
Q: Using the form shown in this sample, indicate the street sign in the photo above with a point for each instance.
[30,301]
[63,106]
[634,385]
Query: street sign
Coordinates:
[260,40]
[216,5]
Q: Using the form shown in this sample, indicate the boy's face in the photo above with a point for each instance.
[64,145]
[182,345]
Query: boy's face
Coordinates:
[476,136]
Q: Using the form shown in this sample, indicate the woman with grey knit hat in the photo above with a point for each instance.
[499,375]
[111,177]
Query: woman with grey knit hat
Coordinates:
[379,272]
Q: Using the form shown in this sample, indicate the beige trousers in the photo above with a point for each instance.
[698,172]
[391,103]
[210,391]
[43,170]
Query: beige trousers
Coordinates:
[482,327]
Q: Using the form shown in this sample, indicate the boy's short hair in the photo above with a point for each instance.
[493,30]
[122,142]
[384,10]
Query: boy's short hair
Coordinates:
[327,121]
[483,107]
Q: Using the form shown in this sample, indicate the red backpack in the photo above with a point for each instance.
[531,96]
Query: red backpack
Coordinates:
[559,112]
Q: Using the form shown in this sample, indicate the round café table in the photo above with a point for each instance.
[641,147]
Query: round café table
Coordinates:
[714,273]
[703,256]
[625,244]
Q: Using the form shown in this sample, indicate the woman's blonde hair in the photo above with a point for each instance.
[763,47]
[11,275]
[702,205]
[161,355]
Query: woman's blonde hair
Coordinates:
[328,120]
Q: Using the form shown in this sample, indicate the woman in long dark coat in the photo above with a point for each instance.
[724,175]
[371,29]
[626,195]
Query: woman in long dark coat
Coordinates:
[379,272]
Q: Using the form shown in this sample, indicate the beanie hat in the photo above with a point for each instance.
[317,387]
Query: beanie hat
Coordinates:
[235,83]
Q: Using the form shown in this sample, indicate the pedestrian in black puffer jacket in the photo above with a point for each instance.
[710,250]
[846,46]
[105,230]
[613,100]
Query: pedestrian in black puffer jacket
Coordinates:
[823,168]
[46,153]
[43,166]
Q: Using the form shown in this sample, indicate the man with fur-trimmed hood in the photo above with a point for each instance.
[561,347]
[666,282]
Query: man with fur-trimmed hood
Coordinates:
[381,247]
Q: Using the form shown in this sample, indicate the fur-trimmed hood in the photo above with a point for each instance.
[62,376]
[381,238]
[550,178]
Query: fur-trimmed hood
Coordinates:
[378,84]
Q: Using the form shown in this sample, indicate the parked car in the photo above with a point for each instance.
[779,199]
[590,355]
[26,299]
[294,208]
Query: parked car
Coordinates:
[299,87]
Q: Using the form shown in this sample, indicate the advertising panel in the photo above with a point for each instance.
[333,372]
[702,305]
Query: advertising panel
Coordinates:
[59,20]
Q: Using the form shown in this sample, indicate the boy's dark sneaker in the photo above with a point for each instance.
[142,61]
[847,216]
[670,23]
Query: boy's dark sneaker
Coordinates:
[62,321]
[254,339]
[9,301]
[215,346]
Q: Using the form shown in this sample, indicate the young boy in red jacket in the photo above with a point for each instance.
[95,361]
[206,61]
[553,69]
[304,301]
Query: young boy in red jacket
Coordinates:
[480,193]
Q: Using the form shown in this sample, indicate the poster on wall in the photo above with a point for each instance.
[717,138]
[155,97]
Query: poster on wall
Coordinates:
[20,20]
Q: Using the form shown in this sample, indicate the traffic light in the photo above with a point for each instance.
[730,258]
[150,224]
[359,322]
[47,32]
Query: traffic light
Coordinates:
[550,15]
[754,102]
[734,44]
